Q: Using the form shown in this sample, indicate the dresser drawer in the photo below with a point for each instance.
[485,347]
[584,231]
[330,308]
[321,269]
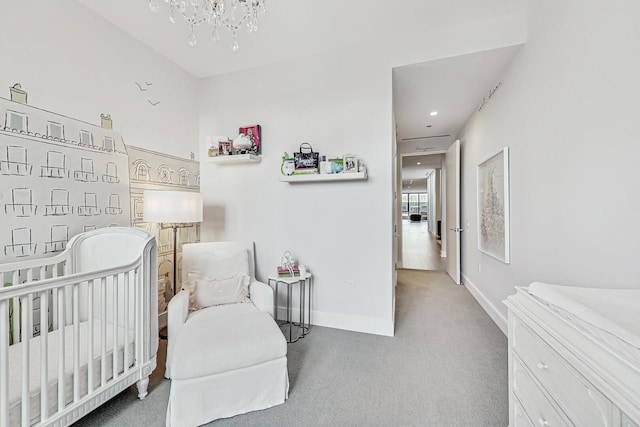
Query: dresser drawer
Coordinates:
[626,422]
[535,404]
[520,417]
[580,401]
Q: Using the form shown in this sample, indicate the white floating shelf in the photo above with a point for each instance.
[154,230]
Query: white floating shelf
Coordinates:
[349,176]
[235,158]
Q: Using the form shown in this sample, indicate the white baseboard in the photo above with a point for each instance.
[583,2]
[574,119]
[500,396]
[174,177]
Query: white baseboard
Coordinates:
[345,322]
[484,302]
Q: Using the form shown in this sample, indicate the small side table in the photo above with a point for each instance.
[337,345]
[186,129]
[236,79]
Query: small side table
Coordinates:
[304,283]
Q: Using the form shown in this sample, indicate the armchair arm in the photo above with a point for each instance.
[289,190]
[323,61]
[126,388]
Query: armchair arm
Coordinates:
[177,313]
[261,295]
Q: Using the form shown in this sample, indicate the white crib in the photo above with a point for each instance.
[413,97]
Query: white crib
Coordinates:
[77,328]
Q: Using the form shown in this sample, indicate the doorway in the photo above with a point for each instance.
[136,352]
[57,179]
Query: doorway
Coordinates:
[421,209]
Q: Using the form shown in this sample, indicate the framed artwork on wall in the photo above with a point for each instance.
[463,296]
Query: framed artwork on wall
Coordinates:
[254,133]
[493,206]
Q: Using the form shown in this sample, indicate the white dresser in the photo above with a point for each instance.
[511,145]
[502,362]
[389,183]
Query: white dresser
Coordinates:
[561,374]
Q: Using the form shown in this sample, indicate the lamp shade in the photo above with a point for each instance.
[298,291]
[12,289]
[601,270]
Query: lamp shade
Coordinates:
[172,206]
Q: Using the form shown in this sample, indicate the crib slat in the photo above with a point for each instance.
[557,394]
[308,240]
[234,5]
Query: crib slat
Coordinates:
[61,352]
[44,355]
[15,280]
[27,332]
[103,333]
[114,346]
[4,363]
[137,323]
[90,378]
[76,342]
[125,361]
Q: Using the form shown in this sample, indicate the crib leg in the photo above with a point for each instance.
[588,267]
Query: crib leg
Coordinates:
[142,388]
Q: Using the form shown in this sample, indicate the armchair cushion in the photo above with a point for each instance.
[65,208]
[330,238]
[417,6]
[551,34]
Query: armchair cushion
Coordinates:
[246,339]
[218,263]
[210,292]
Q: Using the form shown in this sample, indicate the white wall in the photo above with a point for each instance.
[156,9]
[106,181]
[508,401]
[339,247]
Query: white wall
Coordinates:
[76,64]
[568,109]
[341,231]
[339,103]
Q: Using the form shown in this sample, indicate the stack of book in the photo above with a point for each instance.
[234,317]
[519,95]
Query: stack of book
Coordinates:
[305,171]
[284,272]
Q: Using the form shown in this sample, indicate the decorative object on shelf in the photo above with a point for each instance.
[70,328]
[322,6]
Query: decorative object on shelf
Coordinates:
[242,144]
[172,209]
[493,206]
[229,14]
[288,165]
[254,134]
[288,264]
[334,165]
[306,160]
[350,163]
[214,145]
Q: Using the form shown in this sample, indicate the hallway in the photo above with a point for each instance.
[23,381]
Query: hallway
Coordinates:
[420,250]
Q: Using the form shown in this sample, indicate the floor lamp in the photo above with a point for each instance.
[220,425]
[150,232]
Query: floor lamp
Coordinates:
[173,209]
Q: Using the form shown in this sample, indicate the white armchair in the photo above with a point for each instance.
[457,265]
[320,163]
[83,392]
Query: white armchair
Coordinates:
[229,356]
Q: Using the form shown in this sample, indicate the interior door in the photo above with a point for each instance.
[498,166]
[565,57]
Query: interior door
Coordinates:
[452,206]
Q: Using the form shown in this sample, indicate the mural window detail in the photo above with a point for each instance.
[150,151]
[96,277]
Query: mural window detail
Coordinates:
[141,171]
[21,244]
[113,207]
[59,203]
[90,206]
[15,162]
[108,144]
[58,239]
[164,174]
[55,167]
[138,208]
[183,176]
[86,172]
[111,173]
[21,203]
[55,131]
[86,138]
[16,121]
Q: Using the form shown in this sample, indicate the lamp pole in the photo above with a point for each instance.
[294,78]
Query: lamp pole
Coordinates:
[175,256]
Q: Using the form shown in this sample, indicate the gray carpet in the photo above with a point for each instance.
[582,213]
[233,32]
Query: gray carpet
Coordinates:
[446,366]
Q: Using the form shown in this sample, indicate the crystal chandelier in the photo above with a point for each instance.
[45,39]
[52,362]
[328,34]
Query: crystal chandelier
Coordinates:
[229,14]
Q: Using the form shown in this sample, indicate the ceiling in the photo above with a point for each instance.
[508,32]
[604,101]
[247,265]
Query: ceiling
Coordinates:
[295,29]
[454,88]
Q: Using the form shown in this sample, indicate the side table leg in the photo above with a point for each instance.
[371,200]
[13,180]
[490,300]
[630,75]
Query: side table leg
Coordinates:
[303,287]
[289,309]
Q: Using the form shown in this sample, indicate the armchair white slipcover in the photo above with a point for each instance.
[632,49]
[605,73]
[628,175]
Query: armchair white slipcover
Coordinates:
[228,359]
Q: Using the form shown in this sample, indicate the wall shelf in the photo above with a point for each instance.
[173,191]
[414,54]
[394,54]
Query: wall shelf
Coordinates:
[235,158]
[349,176]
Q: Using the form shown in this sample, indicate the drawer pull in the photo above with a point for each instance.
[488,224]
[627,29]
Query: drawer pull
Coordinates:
[542,366]
[543,422]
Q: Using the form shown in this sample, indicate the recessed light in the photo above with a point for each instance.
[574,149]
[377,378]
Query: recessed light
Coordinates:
[433,113]
[418,163]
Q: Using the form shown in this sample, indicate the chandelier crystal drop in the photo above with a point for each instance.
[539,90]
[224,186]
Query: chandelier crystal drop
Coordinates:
[229,14]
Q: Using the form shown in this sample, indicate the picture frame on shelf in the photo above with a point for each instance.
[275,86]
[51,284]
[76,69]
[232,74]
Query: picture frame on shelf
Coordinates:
[224,147]
[350,163]
[493,206]
[254,133]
